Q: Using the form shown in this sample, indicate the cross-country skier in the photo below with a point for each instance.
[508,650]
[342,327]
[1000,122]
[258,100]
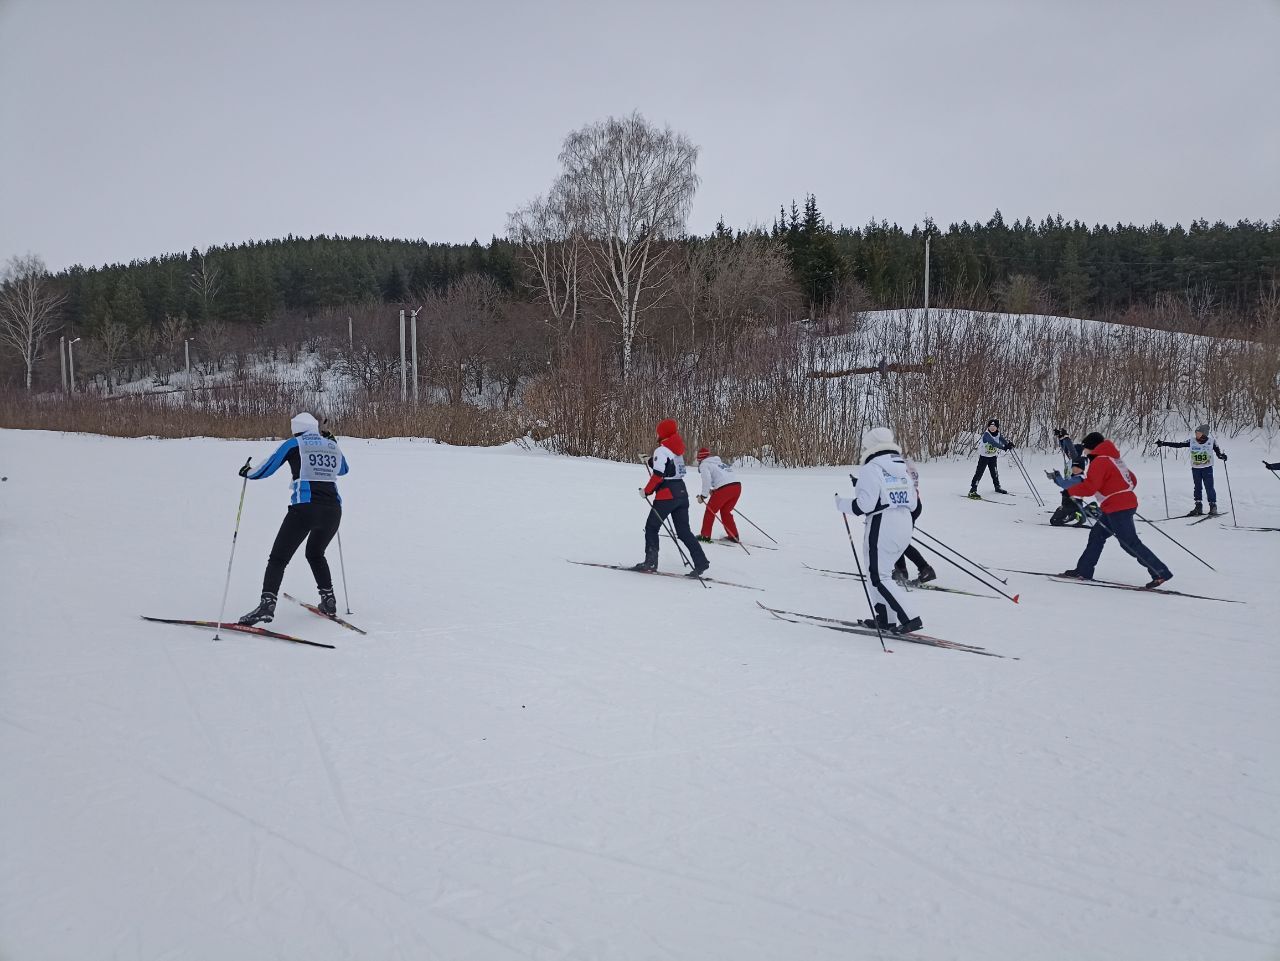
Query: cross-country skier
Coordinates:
[315,511]
[1068,512]
[720,493]
[991,446]
[1112,484]
[1275,466]
[1203,447]
[670,499]
[924,572]
[886,496]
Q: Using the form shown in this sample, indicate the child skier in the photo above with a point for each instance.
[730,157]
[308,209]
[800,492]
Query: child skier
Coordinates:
[671,499]
[315,511]
[1112,483]
[1202,448]
[992,444]
[1068,512]
[723,488]
[886,496]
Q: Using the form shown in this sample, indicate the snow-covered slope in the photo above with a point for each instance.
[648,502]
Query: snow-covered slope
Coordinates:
[529,759]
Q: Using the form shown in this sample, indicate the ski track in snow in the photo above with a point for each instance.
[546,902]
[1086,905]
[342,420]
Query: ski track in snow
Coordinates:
[529,759]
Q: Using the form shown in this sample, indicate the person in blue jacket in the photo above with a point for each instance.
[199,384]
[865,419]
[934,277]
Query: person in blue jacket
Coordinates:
[990,447]
[315,511]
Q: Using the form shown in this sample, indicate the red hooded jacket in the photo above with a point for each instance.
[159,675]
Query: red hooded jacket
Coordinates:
[1109,480]
[668,437]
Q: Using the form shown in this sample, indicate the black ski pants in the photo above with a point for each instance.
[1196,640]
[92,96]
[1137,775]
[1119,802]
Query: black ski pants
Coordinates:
[678,510]
[316,523]
[985,464]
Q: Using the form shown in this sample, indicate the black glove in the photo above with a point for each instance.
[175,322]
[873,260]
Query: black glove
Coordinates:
[1221,456]
[1161,443]
[1052,474]
[1059,433]
[1009,445]
[244,471]
[324,432]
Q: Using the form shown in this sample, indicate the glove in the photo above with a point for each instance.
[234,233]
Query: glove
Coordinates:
[1222,457]
[1161,443]
[1009,445]
[326,434]
[1052,474]
[642,493]
[701,499]
[244,471]
[1059,433]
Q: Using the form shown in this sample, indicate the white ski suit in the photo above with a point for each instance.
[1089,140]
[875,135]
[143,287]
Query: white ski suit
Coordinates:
[886,496]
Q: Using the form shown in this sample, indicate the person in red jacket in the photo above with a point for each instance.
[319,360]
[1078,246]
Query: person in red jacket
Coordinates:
[670,499]
[1112,484]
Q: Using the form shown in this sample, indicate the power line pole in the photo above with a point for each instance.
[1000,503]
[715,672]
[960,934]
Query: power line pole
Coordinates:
[414,322]
[927,238]
[404,381]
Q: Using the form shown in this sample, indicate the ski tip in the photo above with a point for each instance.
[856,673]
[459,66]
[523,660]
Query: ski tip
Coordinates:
[1015,598]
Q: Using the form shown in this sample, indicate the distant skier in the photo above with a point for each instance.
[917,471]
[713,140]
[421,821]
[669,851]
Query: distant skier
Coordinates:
[924,572]
[1275,466]
[990,447]
[886,496]
[670,499]
[1203,447]
[1069,511]
[720,493]
[315,511]
[1112,484]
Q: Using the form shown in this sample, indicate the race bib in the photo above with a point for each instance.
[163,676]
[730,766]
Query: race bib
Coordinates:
[320,459]
[897,491]
[990,450]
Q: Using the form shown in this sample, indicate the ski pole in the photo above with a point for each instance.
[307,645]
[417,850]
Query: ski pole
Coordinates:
[865,591]
[966,570]
[234,536]
[736,540]
[346,595]
[985,570]
[753,524]
[674,540]
[1229,495]
[1168,535]
[1162,484]
[1035,494]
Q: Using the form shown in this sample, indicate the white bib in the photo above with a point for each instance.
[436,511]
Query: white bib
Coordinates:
[1201,454]
[320,458]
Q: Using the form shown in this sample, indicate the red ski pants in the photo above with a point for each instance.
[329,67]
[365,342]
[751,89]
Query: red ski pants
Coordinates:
[722,501]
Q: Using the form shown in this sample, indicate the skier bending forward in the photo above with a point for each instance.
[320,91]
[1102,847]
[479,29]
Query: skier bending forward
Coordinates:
[315,511]
[886,496]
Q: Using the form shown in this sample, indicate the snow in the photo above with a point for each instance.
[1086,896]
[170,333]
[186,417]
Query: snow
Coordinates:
[530,759]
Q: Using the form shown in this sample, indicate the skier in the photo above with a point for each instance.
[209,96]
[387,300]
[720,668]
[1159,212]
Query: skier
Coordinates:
[723,489]
[1068,512]
[1275,466]
[315,511]
[992,445]
[1202,448]
[924,572]
[671,499]
[1112,483]
[886,495]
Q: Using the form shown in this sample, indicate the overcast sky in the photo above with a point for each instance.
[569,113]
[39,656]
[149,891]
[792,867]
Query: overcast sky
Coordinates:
[130,128]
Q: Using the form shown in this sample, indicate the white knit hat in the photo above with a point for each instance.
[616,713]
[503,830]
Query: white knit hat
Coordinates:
[877,441]
[304,423]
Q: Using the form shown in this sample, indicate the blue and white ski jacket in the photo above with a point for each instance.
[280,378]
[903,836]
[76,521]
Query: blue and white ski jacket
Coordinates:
[992,444]
[316,463]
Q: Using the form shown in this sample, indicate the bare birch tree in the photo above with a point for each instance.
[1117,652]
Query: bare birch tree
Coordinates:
[29,308]
[553,249]
[628,187]
[205,282]
[112,342]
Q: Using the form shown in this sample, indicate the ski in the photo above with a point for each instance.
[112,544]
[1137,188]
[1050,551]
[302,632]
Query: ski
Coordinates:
[239,629]
[853,627]
[1117,586]
[987,500]
[709,580]
[1253,528]
[328,617]
[911,585]
[724,541]
[1201,520]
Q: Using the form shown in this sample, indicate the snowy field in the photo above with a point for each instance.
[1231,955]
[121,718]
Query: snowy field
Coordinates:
[529,759]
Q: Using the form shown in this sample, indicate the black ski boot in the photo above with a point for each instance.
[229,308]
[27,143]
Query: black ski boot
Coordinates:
[881,619]
[926,574]
[328,603]
[648,565]
[264,613]
[699,570]
[974,495]
[1001,490]
[910,627]
[1213,510]
[1195,511]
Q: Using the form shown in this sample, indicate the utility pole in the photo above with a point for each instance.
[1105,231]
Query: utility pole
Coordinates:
[71,361]
[927,238]
[62,360]
[186,346]
[414,321]
[351,340]
[404,384]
